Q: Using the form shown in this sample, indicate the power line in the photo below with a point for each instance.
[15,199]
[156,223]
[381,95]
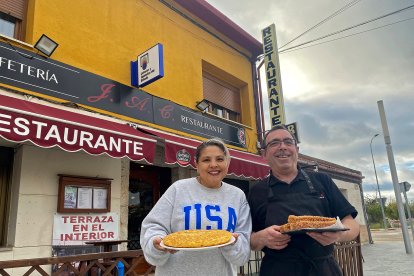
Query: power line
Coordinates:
[347,6]
[349,28]
[296,49]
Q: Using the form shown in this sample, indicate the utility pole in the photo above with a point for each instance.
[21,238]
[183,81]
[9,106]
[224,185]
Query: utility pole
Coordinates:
[397,191]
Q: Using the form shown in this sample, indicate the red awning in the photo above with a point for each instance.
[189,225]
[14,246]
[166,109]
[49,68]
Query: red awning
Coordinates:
[181,151]
[248,165]
[46,127]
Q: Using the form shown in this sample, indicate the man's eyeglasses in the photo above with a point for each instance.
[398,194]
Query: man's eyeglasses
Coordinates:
[277,143]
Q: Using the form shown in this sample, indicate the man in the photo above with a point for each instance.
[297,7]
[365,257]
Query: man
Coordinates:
[288,190]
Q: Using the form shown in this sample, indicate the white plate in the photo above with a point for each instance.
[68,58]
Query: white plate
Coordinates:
[198,248]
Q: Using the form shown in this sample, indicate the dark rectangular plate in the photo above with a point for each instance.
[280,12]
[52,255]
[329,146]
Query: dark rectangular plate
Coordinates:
[317,230]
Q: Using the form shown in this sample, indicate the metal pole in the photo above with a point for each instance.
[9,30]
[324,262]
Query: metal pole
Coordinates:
[384,221]
[407,206]
[401,214]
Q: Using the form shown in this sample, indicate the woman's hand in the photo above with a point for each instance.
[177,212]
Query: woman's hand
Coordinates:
[235,235]
[156,242]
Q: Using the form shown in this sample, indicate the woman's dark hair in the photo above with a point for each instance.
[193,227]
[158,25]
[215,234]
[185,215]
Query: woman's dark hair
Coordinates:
[263,145]
[212,142]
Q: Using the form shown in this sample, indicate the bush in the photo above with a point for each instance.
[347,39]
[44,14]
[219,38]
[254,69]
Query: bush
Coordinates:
[375,225]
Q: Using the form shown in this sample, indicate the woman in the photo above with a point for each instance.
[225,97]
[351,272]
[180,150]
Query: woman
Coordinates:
[202,202]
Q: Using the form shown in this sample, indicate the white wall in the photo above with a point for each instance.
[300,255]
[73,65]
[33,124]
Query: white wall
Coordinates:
[35,190]
[352,193]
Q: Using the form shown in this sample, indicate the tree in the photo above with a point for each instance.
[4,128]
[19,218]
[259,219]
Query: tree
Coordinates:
[391,210]
[373,210]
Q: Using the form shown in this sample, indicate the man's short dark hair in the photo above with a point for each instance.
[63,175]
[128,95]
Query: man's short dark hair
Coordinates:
[274,128]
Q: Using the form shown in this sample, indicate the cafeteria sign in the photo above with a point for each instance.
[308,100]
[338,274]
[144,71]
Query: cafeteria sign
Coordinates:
[76,229]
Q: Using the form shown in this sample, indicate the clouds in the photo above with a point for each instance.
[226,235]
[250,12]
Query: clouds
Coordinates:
[331,90]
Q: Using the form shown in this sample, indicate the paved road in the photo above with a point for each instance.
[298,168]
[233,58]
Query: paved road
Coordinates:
[387,256]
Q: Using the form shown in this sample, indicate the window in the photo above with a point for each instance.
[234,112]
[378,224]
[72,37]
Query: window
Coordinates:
[223,97]
[6,165]
[223,112]
[12,14]
[7,25]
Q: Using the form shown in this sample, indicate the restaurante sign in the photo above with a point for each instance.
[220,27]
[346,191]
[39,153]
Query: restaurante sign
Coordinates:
[47,127]
[273,78]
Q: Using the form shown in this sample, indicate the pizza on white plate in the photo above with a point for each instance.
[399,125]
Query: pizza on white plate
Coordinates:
[301,222]
[197,238]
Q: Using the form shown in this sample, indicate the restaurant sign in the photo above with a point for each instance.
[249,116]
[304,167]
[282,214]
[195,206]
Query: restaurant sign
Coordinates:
[47,131]
[273,78]
[77,229]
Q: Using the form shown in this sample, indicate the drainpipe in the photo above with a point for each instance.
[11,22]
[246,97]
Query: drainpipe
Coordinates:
[365,214]
[256,102]
[261,96]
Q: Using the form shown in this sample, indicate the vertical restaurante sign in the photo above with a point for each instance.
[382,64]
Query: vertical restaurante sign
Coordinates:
[273,78]
[26,70]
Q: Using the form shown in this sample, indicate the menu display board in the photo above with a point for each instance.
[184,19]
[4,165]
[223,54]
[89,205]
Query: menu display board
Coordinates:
[79,194]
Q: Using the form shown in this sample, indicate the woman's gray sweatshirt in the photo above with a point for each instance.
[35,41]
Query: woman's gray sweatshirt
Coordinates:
[189,205]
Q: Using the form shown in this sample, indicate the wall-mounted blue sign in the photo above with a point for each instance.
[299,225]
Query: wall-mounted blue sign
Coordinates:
[149,67]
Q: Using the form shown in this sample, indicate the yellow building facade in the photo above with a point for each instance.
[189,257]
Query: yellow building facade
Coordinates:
[101,37]
[81,142]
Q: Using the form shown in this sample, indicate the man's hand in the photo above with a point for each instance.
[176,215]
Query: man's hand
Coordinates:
[326,238]
[269,237]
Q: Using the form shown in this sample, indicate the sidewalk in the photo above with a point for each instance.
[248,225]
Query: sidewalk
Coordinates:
[387,256]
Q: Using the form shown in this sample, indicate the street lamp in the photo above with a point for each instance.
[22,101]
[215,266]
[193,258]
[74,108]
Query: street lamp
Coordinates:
[376,177]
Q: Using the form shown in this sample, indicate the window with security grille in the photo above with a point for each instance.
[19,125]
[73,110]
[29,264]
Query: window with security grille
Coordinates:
[224,98]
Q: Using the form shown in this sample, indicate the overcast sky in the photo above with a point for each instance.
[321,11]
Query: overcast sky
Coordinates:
[331,90]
